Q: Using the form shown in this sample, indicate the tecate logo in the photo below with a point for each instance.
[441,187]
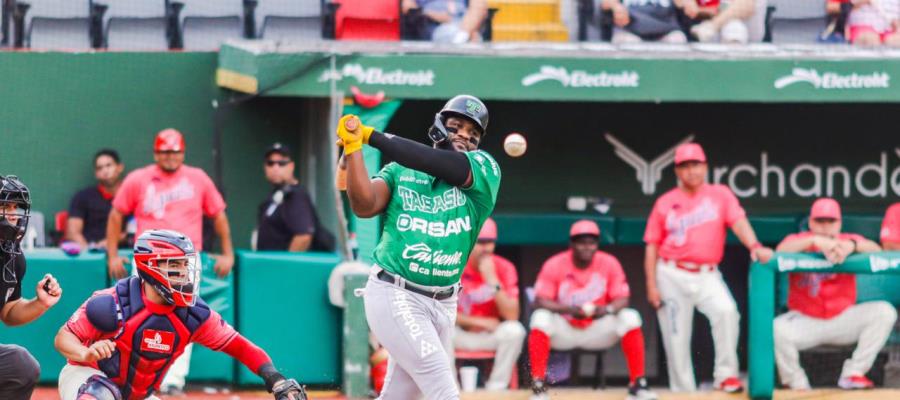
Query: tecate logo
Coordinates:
[834,80]
[379,76]
[583,79]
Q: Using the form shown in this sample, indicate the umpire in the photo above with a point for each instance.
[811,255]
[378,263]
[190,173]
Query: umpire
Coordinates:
[287,219]
[19,371]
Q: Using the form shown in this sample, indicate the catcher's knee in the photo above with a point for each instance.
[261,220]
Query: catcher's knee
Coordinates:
[542,319]
[99,387]
[628,319]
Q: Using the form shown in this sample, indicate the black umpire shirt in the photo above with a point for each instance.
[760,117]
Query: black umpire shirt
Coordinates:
[92,205]
[13,273]
[279,221]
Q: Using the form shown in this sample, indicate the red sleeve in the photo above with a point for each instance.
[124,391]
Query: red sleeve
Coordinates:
[617,285]
[213,203]
[732,207]
[890,227]
[795,236]
[79,324]
[655,232]
[247,353]
[126,200]
[215,333]
[509,279]
[547,285]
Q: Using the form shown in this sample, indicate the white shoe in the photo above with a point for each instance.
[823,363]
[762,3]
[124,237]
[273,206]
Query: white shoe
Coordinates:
[704,32]
[640,391]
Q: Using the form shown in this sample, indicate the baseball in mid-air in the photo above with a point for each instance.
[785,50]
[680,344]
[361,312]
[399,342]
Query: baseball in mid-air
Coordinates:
[515,145]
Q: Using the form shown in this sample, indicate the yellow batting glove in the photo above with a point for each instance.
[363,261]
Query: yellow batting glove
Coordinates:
[348,133]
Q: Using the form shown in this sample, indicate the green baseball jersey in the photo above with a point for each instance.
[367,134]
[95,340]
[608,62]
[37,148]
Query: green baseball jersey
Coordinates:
[430,225]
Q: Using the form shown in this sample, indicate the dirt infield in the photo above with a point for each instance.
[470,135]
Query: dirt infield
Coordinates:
[47,393]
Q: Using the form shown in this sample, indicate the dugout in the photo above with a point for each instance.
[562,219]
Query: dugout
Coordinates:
[781,126]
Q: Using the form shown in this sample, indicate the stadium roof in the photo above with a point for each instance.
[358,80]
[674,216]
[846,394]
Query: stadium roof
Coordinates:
[565,72]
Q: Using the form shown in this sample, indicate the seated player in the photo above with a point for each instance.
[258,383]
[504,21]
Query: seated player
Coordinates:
[872,22]
[582,300]
[727,21]
[123,339]
[890,228]
[822,306]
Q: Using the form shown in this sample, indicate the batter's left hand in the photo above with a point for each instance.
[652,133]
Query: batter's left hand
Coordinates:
[222,264]
[288,389]
[761,254]
[48,291]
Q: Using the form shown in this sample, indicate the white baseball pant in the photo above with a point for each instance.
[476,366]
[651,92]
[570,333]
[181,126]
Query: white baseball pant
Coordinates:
[681,291]
[73,376]
[604,333]
[868,325]
[417,333]
[506,341]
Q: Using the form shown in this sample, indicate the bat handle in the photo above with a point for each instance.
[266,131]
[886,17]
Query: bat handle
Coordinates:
[351,123]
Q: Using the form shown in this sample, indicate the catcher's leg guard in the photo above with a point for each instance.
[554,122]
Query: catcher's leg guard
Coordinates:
[99,387]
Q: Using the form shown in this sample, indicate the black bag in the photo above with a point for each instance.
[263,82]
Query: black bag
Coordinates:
[651,22]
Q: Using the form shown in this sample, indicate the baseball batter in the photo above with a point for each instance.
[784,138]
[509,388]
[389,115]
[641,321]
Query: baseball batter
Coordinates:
[582,299]
[434,201]
[685,239]
[822,306]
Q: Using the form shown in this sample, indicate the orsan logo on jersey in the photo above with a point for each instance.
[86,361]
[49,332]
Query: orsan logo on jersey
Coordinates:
[413,201]
[439,229]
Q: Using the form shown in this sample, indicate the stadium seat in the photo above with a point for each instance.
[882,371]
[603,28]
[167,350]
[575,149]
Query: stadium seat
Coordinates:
[136,25]
[206,24]
[55,24]
[487,357]
[368,20]
[287,20]
[797,21]
[412,25]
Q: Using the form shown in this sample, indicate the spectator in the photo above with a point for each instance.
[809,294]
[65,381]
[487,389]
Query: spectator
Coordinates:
[488,308]
[890,228]
[287,220]
[89,209]
[822,306]
[582,297]
[734,21]
[644,20]
[170,195]
[685,239]
[450,21]
[872,23]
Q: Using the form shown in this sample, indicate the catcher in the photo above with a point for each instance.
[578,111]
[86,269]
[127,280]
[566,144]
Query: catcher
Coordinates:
[123,339]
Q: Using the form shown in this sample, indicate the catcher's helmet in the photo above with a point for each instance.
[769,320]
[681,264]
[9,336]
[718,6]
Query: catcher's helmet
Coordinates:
[168,261]
[464,106]
[13,223]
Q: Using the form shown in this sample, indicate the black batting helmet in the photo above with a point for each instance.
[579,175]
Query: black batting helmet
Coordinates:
[463,106]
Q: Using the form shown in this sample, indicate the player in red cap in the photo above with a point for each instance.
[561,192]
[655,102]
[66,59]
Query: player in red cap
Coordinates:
[581,297]
[822,306]
[122,340]
[170,195]
[890,228]
[487,316]
[685,240]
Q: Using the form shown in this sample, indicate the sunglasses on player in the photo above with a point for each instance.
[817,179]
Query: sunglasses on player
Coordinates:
[280,163]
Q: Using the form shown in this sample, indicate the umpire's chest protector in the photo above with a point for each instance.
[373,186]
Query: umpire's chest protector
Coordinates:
[149,336]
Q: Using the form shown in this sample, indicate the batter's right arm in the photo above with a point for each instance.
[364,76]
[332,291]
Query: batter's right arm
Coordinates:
[368,197]
[651,255]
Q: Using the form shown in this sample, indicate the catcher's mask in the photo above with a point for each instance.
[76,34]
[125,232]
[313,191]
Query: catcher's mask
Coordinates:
[15,211]
[463,106]
[168,261]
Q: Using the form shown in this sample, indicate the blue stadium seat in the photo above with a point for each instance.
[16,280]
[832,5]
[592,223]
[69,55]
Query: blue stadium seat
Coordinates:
[797,21]
[287,20]
[136,25]
[206,24]
[57,24]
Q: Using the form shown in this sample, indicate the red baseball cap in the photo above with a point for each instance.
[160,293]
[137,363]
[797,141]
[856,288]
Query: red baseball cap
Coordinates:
[168,140]
[825,208]
[689,152]
[488,231]
[584,227]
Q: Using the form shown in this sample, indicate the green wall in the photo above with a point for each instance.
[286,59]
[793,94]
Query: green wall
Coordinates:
[57,109]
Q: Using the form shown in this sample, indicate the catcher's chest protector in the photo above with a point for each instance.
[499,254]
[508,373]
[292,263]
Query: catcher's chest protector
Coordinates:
[152,337]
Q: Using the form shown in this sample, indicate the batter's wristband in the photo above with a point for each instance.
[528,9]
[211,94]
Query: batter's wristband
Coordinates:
[352,147]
